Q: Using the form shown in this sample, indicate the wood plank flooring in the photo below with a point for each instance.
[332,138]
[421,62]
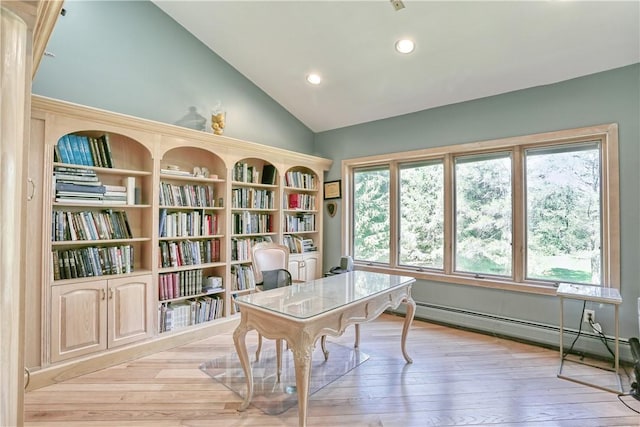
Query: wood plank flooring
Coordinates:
[457,378]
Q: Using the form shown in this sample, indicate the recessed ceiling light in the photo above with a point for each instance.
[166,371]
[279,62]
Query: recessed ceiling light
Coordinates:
[405,46]
[314,79]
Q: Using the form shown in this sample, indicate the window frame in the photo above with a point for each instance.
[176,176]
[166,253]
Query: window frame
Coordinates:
[606,134]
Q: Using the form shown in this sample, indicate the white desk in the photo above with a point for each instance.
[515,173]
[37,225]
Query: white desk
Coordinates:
[302,313]
[597,294]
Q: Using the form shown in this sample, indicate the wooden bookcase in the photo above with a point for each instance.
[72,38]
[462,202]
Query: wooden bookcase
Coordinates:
[301,228]
[197,196]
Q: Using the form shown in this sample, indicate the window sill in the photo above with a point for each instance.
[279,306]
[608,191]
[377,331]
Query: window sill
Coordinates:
[487,282]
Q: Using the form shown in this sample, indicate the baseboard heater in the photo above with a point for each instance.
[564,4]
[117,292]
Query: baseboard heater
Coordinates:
[549,331]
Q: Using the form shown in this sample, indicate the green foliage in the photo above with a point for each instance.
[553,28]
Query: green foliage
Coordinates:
[371,215]
[562,204]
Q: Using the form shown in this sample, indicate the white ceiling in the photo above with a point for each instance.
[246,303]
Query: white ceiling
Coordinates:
[464,50]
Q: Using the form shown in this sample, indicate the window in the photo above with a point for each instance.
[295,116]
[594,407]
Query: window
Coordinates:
[563,213]
[371,215]
[422,215]
[520,213]
[483,214]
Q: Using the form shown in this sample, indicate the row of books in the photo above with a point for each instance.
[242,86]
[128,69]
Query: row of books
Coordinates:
[297,244]
[92,261]
[250,198]
[251,223]
[299,222]
[90,225]
[187,224]
[177,254]
[244,172]
[301,201]
[300,180]
[242,278]
[180,284]
[177,315]
[241,248]
[84,150]
[190,195]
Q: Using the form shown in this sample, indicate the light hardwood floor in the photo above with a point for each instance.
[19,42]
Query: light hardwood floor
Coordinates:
[457,378]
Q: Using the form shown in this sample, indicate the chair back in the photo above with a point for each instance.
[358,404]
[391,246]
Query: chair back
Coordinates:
[267,256]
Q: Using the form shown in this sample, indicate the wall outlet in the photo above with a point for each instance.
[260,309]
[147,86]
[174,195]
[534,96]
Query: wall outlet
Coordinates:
[589,314]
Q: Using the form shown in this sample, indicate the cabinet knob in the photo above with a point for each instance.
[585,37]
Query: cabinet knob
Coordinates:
[103,295]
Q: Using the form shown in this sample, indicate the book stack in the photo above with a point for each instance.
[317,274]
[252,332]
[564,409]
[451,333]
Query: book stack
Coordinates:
[178,254]
[176,315]
[301,201]
[115,194]
[299,222]
[92,261]
[90,225]
[77,185]
[298,245]
[242,278]
[84,150]
[300,180]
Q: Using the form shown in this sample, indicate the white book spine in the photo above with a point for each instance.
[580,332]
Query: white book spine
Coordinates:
[130,184]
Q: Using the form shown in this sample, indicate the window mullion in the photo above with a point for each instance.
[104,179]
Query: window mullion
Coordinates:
[519,222]
[449,213]
[394,214]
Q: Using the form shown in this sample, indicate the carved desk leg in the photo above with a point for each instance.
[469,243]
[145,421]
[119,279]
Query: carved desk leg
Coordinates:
[411,308]
[239,340]
[302,360]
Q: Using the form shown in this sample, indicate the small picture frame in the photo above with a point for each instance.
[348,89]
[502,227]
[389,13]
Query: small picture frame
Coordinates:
[333,190]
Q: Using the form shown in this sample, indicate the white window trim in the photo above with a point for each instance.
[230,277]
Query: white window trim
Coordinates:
[606,133]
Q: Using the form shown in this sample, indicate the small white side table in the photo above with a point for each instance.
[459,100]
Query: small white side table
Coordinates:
[596,294]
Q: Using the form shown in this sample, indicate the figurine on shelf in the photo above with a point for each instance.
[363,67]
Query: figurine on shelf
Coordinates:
[217,122]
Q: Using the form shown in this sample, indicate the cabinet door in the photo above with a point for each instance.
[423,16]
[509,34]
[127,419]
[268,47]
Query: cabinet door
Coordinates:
[130,303]
[78,319]
[294,268]
[304,268]
[311,267]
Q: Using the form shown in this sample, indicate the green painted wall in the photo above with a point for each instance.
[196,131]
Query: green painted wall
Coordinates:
[130,57]
[612,96]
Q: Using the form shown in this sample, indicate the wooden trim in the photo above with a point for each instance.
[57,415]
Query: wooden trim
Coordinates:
[48,12]
[607,134]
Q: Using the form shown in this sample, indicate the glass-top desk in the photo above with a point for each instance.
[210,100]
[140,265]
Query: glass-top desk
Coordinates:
[304,312]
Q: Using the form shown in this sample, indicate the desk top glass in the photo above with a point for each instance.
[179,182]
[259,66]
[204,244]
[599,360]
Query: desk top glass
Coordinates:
[305,300]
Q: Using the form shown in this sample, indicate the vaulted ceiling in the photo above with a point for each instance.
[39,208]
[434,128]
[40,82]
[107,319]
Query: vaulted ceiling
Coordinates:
[464,49]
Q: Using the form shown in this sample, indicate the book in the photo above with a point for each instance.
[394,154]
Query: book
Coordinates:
[107,149]
[130,184]
[62,149]
[268,175]
[86,151]
[78,187]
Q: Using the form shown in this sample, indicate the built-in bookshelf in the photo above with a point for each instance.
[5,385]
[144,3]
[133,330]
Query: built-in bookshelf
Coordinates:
[254,216]
[100,242]
[145,231]
[191,249]
[301,225]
